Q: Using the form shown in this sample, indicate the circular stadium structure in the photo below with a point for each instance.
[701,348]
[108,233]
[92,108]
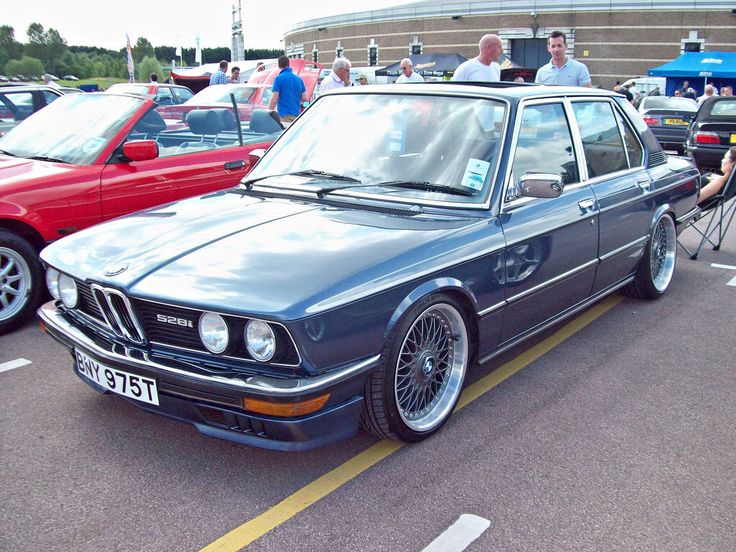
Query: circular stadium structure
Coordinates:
[616,39]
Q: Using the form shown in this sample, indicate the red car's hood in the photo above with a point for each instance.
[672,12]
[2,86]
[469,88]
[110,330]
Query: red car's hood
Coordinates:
[17,170]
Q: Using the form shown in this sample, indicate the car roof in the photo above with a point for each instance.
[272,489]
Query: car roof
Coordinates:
[509,90]
[25,87]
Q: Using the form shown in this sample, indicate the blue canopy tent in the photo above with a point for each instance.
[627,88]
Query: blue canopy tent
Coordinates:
[699,68]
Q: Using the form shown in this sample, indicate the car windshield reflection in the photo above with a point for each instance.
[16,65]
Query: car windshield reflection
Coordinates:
[73,129]
[445,149]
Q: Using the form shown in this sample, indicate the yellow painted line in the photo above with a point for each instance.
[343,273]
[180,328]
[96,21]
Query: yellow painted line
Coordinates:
[242,536]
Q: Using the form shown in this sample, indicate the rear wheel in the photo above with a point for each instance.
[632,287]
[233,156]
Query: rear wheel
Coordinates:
[425,360]
[655,270]
[20,280]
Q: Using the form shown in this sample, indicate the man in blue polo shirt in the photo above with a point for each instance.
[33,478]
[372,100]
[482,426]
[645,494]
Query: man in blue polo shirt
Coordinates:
[288,92]
[562,69]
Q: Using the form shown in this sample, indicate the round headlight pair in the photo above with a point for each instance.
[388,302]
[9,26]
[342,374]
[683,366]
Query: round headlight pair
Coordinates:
[259,337]
[62,287]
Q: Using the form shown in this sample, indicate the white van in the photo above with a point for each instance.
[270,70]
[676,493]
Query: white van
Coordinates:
[645,85]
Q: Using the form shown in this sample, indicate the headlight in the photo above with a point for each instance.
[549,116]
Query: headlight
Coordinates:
[68,291]
[213,332]
[52,282]
[259,340]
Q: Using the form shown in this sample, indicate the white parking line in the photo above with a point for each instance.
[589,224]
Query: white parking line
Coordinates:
[727,267]
[17,363]
[460,534]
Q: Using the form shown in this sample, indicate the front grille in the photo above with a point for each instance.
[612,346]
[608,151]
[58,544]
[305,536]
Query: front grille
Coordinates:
[88,304]
[117,313]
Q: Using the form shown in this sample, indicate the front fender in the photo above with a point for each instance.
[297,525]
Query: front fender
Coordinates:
[437,285]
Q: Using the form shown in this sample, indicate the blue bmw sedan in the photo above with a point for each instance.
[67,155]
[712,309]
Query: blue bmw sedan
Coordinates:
[390,240]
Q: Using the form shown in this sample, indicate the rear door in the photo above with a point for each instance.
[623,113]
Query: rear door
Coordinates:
[622,186]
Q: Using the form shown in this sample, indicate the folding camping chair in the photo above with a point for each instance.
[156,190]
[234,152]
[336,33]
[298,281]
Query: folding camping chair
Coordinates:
[721,216]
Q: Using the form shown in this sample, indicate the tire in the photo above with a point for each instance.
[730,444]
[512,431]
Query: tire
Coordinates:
[655,270]
[415,390]
[20,281]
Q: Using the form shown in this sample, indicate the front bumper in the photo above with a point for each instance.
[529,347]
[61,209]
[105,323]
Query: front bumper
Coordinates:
[213,404]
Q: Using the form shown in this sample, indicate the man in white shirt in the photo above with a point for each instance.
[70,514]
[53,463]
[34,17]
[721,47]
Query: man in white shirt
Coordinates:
[407,72]
[484,67]
[339,77]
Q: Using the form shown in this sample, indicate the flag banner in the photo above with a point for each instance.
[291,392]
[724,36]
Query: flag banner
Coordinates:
[129,50]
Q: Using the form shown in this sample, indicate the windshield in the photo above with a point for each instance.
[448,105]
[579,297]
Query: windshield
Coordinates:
[408,147]
[221,94]
[73,129]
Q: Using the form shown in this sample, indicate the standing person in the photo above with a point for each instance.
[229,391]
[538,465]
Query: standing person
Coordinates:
[154,78]
[219,76]
[363,80]
[562,69]
[484,67]
[726,91]
[707,94]
[407,72]
[690,93]
[234,74]
[49,81]
[685,86]
[288,92]
[339,77]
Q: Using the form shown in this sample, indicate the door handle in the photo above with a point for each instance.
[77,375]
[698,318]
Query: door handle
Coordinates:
[645,185]
[234,165]
[586,204]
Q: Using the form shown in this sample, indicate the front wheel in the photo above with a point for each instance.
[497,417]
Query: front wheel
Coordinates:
[419,383]
[20,280]
[655,270]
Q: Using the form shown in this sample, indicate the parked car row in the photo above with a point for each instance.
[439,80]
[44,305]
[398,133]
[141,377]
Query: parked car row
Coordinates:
[91,157]
[355,279]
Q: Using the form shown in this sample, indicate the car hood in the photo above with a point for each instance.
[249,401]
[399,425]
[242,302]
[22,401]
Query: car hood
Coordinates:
[18,170]
[275,258]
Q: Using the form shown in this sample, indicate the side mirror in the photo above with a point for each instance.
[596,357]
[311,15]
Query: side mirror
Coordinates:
[255,156]
[541,185]
[140,150]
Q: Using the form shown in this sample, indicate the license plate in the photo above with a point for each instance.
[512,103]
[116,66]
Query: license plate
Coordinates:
[733,138]
[114,380]
[680,122]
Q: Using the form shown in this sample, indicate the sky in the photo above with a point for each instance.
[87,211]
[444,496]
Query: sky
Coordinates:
[104,24]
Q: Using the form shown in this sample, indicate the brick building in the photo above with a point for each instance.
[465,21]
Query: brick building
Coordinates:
[616,39]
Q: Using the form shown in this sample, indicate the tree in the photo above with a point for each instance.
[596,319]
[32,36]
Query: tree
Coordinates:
[48,46]
[26,66]
[9,47]
[142,49]
[147,66]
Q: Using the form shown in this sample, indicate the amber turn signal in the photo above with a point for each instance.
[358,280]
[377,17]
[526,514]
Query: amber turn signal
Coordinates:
[285,410]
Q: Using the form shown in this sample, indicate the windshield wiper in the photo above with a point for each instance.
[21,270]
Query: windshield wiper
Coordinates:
[428,186]
[8,153]
[305,172]
[50,159]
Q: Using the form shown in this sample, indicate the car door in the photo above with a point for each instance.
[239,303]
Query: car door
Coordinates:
[198,166]
[621,184]
[551,244]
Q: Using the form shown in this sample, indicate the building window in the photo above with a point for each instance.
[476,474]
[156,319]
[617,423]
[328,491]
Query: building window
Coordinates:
[339,50]
[315,54]
[372,55]
[415,47]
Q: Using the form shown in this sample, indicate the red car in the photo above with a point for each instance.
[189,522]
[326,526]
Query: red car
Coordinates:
[92,157]
[255,94]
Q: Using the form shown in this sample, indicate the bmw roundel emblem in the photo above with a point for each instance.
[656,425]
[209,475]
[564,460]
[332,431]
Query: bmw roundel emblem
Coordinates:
[116,269]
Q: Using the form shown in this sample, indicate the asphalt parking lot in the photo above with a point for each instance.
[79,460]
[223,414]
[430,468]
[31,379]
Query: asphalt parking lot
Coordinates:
[613,433]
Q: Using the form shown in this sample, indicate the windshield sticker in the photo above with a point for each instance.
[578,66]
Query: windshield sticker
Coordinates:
[475,173]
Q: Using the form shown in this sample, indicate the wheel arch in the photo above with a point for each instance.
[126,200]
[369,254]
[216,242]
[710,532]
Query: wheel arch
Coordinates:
[25,231]
[451,287]
[664,209]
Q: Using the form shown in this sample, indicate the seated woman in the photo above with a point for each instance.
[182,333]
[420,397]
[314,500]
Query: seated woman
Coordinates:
[716,182]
